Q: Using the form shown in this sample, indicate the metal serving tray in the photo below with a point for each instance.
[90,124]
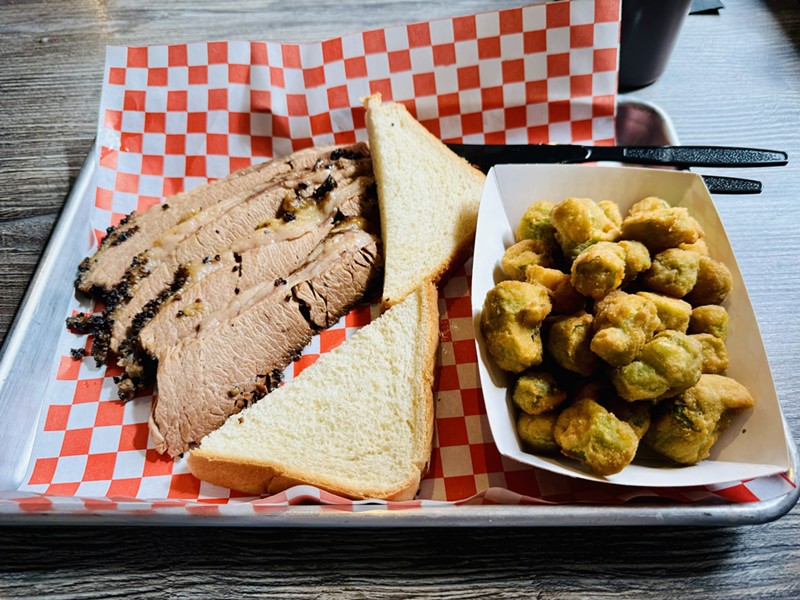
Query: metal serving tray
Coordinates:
[27,357]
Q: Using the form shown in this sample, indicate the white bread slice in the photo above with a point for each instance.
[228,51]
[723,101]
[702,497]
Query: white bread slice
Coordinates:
[358,422]
[428,198]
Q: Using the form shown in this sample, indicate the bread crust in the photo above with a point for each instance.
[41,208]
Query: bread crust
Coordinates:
[264,479]
[430,303]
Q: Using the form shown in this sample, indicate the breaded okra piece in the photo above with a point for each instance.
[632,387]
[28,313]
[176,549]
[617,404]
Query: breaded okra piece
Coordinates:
[673,313]
[673,272]
[715,353]
[535,225]
[590,434]
[714,283]
[537,431]
[579,223]
[518,257]
[568,342]
[667,365]
[710,318]
[510,322]
[536,392]
[564,297]
[659,227]
[686,427]
[598,270]
[623,324]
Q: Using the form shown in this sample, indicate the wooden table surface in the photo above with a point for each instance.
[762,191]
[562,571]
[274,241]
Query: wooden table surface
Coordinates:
[733,79]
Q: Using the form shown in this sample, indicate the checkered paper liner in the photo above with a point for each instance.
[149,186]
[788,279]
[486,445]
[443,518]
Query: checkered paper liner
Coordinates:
[172,117]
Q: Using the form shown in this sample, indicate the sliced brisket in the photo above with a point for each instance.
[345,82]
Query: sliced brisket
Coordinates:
[239,351]
[206,234]
[100,273]
[247,265]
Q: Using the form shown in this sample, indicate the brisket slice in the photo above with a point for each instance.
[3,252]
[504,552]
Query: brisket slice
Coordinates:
[205,234]
[99,273]
[239,352]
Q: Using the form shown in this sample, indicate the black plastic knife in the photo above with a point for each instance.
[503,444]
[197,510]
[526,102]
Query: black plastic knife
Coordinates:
[484,156]
[731,185]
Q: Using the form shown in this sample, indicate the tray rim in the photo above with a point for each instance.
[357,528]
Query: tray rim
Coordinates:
[536,515]
[560,515]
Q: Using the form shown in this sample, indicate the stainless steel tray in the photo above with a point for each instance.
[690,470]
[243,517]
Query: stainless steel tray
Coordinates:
[27,358]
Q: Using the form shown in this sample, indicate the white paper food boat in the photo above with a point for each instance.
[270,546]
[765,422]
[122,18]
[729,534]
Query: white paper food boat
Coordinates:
[754,445]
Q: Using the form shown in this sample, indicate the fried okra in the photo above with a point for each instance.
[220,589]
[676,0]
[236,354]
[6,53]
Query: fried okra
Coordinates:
[715,353]
[537,431]
[518,257]
[673,272]
[667,365]
[710,318]
[592,435]
[510,322]
[660,227]
[568,342]
[700,247]
[648,204]
[635,414]
[686,427]
[623,324]
[564,297]
[714,282]
[637,259]
[599,269]
[655,294]
[605,266]
[535,224]
[673,313]
[536,392]
[611,210]
[579,223]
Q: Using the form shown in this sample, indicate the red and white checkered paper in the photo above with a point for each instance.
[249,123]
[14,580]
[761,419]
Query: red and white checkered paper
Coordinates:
[172,117]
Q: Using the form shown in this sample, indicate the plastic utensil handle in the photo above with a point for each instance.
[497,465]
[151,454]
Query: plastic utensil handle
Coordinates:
[485,156]
[705,156]
[731,185]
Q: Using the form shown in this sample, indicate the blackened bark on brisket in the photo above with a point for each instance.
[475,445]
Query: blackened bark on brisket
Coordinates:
[323,190]
[345,153]
[118,295]
[94,325]
[130,354]
[124,235]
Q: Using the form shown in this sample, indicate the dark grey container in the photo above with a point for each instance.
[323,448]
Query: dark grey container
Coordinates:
[649,32]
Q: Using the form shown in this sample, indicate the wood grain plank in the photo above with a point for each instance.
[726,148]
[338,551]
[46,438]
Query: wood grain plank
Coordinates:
[604,563]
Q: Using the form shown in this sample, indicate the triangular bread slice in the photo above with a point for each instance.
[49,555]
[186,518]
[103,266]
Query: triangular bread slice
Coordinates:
[428,198]
[358,422]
